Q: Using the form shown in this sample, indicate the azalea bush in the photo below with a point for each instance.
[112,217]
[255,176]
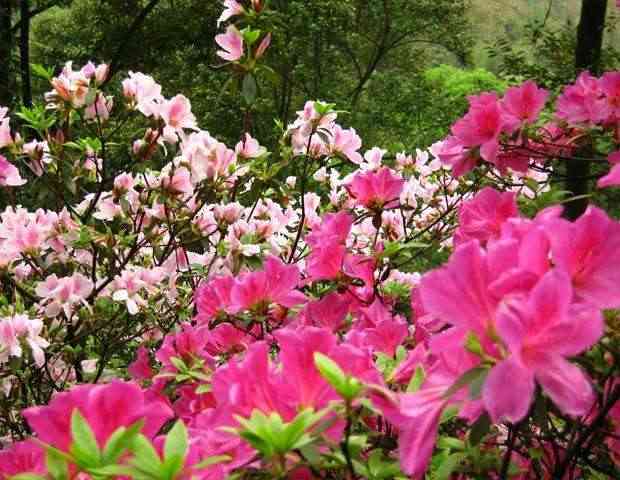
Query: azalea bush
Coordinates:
[173,307]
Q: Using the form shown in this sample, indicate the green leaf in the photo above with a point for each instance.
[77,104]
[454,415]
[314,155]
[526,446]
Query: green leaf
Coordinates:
[84,444]
[146,458]
[465,379]
[448,466]
[42,72]
[330,371]
[120,441]
[416,380]
[214,460]
[249,89]
[57,465]
[175,449]
[26,476]
[479,429]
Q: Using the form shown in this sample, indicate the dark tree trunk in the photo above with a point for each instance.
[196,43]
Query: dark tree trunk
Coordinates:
[587,57]
[6,49]
[24,53]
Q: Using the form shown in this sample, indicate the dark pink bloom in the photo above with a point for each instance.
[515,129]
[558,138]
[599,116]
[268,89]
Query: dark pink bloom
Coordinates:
[105,408]
[376,190]
[610,85]
[140,368]
[328,312]
[482,217]
[22,457]
[612,179]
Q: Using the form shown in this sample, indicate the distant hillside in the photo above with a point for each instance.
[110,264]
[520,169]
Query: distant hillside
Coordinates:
[495,19]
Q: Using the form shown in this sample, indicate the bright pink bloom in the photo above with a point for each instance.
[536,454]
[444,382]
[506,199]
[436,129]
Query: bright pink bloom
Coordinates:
[525,102]
[482,217]
[140,368]
[276,283]
[540,331]
[589,250]
[482,125]
[582,101]
[188,345]
[376,190]
[328,312]
[231,43]
[22,457]
[610,85]
[612,179]
[9,174]
[452,152]
[328,248]
[105,408]
[213,298]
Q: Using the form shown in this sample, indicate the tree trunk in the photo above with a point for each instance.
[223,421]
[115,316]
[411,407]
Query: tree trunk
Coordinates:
[6,49]
[587,57]
[24,53]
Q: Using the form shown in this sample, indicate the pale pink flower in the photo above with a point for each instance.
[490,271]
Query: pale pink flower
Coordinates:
[100,109]
[63,294]
[263,46]
[231,44]
[17,328]
[9,174]
[144,91]
[177,113]
[233,8]
[249,147]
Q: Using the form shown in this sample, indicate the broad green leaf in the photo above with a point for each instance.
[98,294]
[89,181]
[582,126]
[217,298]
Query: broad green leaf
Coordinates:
[175,449]
[84,444]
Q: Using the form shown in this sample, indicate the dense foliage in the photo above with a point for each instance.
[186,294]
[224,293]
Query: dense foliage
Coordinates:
[173,306]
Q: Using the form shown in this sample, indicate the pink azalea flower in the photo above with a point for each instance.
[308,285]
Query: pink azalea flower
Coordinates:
[231,44]
[105,408]
[22,457]
[328,248]
[328,312]
[347,143]
[482,217]
[9,174]
[263,46]
[540,332]
[276,283]
[100,109]
[188,345]
[582,101]
[140,368]
[178,182]
[62,294]
[233,8]
[144,91]
[525,102]
[17,328]
[610,85]
[5,129]
[249,147]
[612,179]
[177,113]
[452,152]
[376,190]
[589,250]
[213,298]
[482,125]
